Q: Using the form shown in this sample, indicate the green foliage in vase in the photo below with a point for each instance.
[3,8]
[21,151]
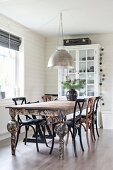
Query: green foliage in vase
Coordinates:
[75,84]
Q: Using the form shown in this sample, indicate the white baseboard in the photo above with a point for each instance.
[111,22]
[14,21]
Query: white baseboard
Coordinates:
[107,120]
[22,134]
[5,136]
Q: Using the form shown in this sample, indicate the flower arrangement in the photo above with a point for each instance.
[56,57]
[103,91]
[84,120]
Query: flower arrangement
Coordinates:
[75,84]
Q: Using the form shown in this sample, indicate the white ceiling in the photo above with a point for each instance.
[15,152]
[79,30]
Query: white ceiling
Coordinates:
[79,16]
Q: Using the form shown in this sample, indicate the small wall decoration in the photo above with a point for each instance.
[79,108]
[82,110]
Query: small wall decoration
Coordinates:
[102,75]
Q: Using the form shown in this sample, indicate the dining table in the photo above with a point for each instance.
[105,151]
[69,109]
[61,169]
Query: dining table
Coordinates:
[59,109]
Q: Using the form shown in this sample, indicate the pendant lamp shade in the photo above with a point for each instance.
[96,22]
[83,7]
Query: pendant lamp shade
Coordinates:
[60,58]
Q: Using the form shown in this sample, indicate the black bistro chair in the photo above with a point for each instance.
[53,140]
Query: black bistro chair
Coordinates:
[74,124]
[50,124]
[94,116]
[36,124]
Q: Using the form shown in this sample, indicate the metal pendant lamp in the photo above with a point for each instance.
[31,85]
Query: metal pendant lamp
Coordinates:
[61,57]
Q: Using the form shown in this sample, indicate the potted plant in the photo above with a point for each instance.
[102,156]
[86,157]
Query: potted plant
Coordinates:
[72,86]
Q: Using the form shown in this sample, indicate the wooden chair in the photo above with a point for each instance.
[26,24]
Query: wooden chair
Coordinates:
[29,122]
[46,98]
[94,117]
[87,118]
[74,124]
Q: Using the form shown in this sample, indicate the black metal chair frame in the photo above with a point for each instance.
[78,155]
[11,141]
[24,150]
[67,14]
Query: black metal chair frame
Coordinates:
[50,131]
[94,117]
[30,122]
[74,124]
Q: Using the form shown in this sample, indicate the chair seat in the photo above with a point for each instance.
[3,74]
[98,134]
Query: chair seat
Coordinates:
[83,112]
[69,122]
[83,116]
[33,122]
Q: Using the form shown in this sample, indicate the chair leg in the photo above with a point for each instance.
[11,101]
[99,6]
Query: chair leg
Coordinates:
[52,140]
[36,134]
[97,128]
[52,145]
[84,126]
[91,133]
[93,130]
[87,137]
[67,138]
[26,130]
[74,143]
[80,137]
[44,136]
[18,135]
[48,130]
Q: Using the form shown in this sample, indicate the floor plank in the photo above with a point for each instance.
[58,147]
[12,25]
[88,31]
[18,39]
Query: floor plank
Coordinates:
[98,157]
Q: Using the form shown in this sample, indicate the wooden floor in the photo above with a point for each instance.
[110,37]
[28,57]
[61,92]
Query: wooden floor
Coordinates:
[98,157]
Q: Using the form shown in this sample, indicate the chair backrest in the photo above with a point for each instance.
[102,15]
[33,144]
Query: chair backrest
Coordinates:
[79,104]
[19,100]
[33,116]
[46,98]
[89,107]
[95,107]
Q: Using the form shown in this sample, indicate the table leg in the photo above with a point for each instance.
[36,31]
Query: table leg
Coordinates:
[61,130]
[12,127]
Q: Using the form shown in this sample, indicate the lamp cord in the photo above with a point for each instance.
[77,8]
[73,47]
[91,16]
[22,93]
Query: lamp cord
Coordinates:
[61,28]
[60,32]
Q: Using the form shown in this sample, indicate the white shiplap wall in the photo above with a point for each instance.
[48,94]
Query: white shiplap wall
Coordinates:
[51,74]
[33,49]
[34,67]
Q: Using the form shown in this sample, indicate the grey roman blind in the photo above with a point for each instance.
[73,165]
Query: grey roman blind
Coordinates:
[9,40]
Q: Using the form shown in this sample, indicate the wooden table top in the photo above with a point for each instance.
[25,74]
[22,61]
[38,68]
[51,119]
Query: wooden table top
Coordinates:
[50,105]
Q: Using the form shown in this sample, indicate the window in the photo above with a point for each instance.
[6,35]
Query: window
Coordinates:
[10,60]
